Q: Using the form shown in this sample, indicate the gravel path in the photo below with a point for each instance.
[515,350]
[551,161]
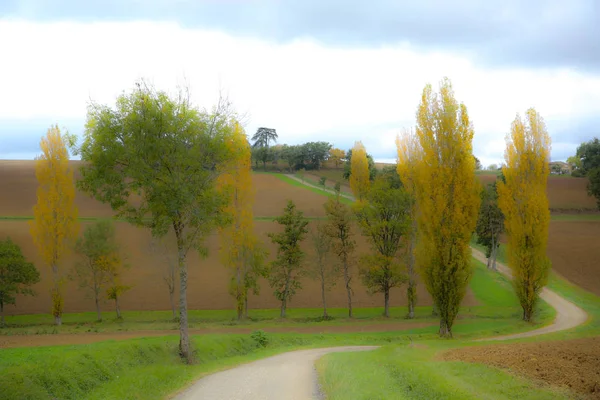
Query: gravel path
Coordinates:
[288,376]
[568,315]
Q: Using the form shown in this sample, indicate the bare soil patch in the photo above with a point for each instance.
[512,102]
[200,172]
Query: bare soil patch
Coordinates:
[574,364]
[84,338]
[574,252]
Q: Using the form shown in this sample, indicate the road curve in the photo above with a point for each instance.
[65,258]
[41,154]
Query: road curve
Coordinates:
[288,376]
[568,315]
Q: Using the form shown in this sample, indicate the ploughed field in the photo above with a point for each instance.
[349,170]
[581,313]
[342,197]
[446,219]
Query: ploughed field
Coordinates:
[574,364]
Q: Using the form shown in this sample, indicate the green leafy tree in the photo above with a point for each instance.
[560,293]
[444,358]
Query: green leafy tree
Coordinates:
[262,140]
[154,159]
[99,251]
[384,218]
[490,224]
[339,228]
[594,184]
[586,162]
[17,275]
[287,269]
[316,153]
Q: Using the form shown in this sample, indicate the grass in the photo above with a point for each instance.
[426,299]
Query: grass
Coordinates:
[575,217]
[327,193]
[412,372]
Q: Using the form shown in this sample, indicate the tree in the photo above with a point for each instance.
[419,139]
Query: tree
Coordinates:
[316,153]
[492,167]
[339,228]
[384,218]
[55,223]
[98,249]
[447,195]
[17,275]
[166,152]
[240,250]
[168,255]
[348,166]
[408,152]
[593,186]
[287,269]
[478,166]
[522,199]
[586,162]
[323,270]
[262,139]
[359,175]
[337,155]
[490,224]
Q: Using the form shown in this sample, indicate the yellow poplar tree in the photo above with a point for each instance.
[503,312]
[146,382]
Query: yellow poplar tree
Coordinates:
[522,199]
[359,171]
[240,249]
[55,223]
[407,164]
[447,195]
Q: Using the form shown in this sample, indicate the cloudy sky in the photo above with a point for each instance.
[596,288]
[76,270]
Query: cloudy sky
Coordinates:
[314,70]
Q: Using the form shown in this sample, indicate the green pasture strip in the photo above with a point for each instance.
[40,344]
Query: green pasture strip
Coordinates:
[412,372]
[327,193]
[575,217]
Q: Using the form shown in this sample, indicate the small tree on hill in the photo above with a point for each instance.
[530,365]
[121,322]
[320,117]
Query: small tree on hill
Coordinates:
[490,224]
[55,223]
[523,201]
[384,218]
[98,250]
[324,270]
[337,155]
[339,228]
[17,275]
[287,269]
[359,172]
[168,259]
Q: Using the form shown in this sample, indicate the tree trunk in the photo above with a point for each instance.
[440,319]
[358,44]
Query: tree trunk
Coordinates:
[57,320]
[412,284]
[246,306]
[265,165]
[117,307]
[445,329]
[348,289]
[239,295]
[323,297]
[172,300]
[494,255]
[528,312]
[2,322]
[386,307]
[57,305]
[283,307]
[98,313]
[184,339]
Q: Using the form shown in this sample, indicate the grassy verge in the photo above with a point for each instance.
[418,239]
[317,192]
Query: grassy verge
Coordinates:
[411,372]
[324,192]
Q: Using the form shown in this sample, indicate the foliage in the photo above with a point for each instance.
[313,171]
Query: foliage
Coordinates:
[490,224]
[99,251]
[55,223]
[359,172]
[154,159]
[478,165]
[522,199]
[447,194]
[390,174]
[337,155]
[262,138]
[17,275]
[339,228]
[287,268]
[348,166]
[260,337]
[384,218]
[322,180]
[324,270]
[593,186]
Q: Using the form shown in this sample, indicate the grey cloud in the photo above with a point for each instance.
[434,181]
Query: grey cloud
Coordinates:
[539,33]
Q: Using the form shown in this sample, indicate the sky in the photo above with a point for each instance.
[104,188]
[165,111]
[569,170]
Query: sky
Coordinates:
[337,71]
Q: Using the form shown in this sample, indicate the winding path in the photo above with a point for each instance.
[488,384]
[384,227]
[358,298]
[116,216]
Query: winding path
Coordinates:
[288,376]
[292,376]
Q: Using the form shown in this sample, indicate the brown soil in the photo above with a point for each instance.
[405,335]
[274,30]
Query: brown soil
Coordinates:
[574,252]
[574,364]
[84,338]
[565,194]
[208,279]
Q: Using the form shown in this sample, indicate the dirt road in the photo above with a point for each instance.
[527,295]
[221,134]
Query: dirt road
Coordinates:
[288,376]
[568,315]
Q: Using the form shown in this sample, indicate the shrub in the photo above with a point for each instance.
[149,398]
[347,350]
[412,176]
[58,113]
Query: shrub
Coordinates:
[322,181]
[260,337]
